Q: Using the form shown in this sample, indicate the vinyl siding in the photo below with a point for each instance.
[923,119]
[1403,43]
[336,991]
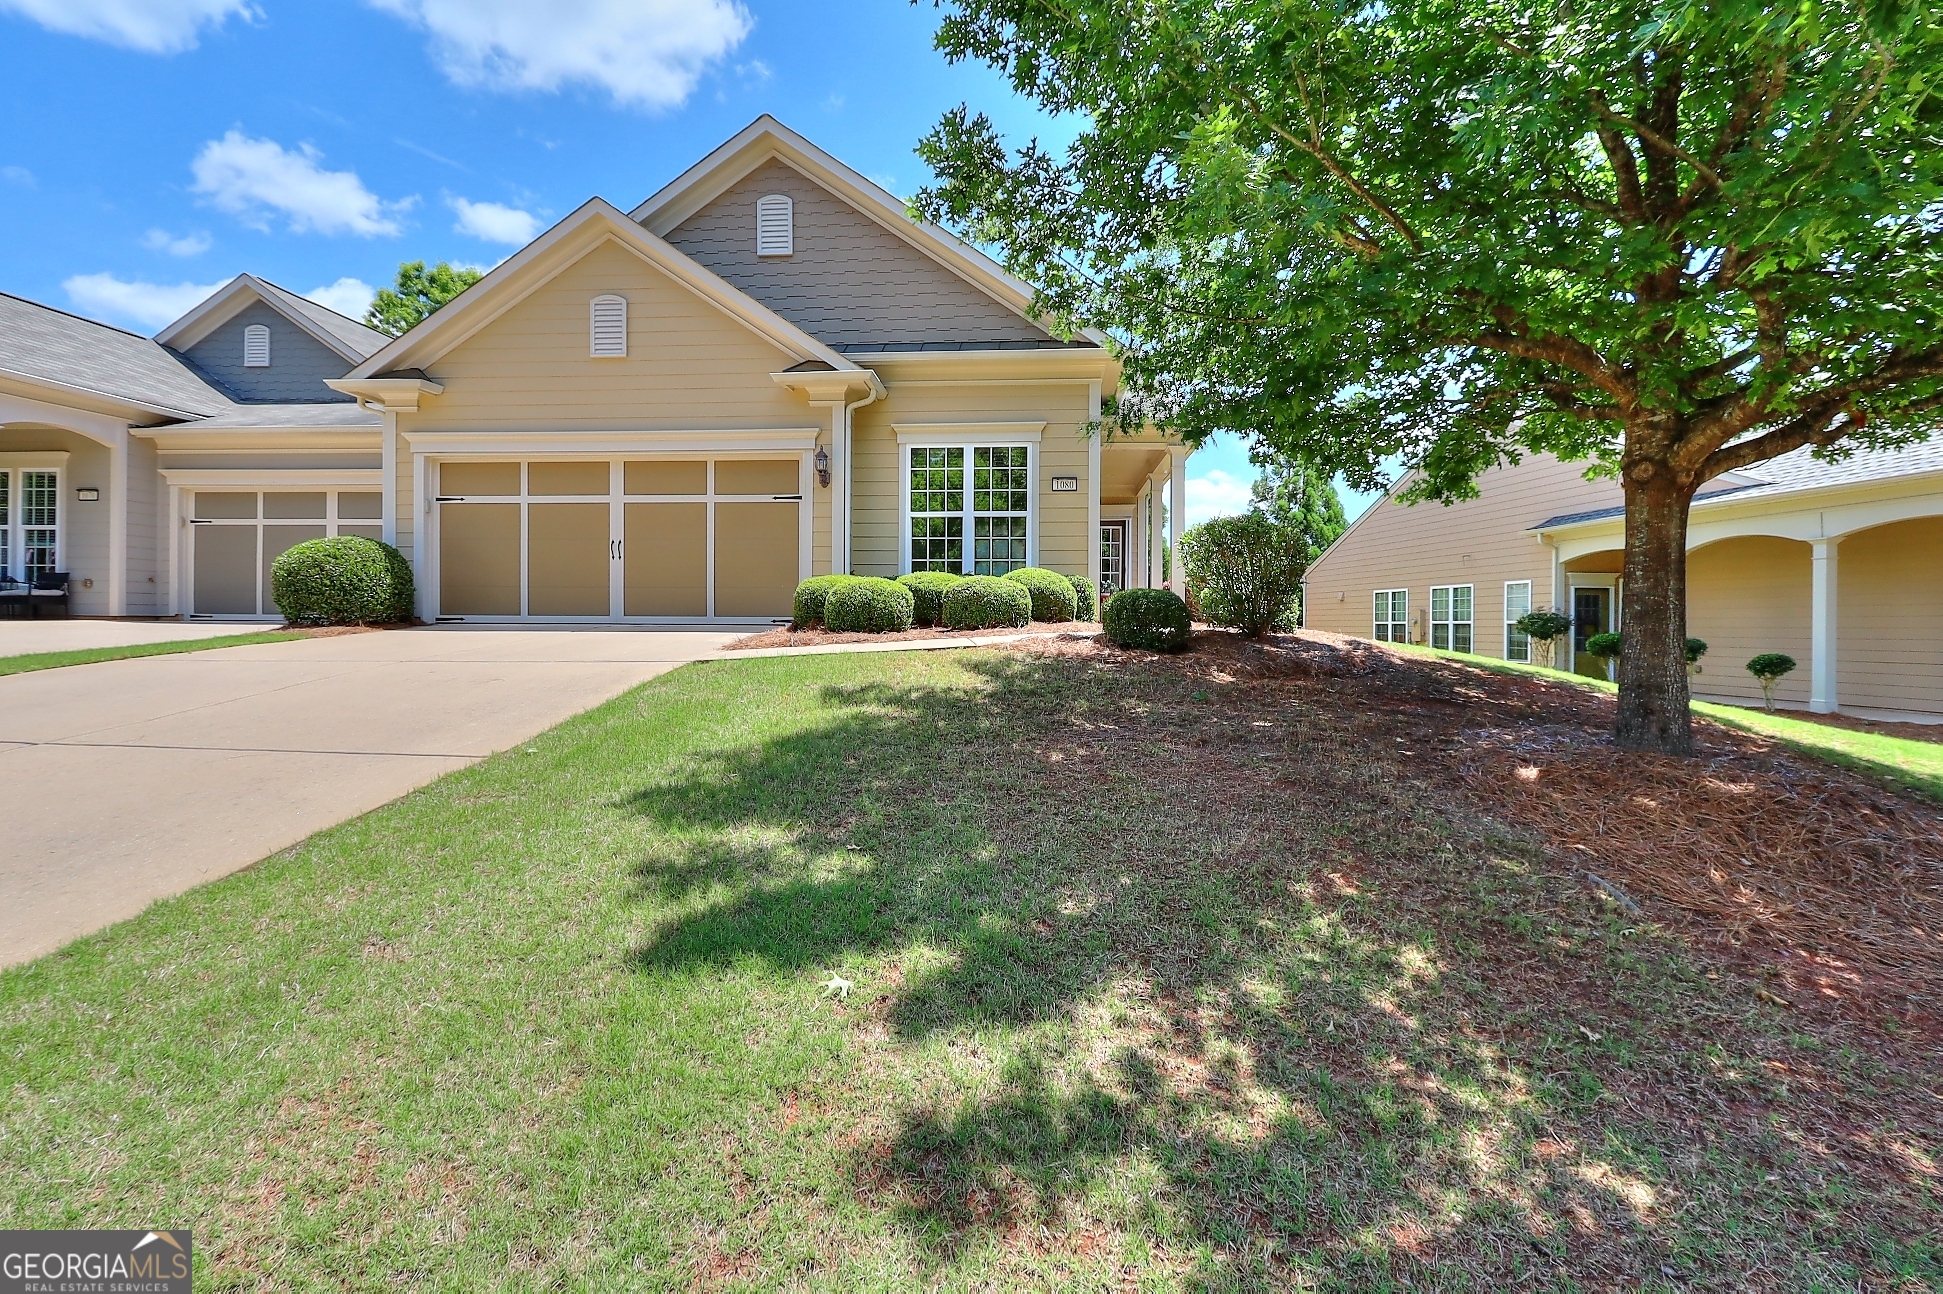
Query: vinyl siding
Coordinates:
[147,594]
[1889,617]
[299,363]
[850,281]
[877,489]
[1484,542]
[1747,596]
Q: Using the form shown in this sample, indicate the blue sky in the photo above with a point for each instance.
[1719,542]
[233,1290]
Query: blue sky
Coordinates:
[156,148]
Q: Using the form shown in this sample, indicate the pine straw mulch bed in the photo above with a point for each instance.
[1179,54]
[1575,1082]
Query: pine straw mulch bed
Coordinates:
[791,636]
[1826,886]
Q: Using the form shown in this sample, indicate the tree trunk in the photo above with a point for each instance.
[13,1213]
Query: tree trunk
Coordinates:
[1653,714]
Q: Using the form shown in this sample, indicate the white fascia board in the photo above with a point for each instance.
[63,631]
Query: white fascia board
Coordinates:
[523,273]
[56,393]
[273,477]
[606,444]
[764,138]
[232,299]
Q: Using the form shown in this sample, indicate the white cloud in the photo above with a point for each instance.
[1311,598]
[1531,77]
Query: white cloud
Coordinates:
[251,177]
[493,223]
[161,240]
[148,304]
[152,26]
[347,296]
[18,175]
[645,53]
[1216,494]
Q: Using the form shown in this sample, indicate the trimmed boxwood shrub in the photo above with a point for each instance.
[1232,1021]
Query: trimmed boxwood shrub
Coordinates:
[810,596]
[1150,619]
[987,602]
[1086,605]
[928,589]
[1052,593]
[346,580]
[869,605]
[1604,646]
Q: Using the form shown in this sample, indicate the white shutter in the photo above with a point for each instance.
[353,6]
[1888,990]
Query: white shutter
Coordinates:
[775,225]
[256,346]
[607,328]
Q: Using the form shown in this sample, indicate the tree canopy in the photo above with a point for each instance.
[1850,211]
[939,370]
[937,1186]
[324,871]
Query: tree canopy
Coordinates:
[1298,496]
[417,293]
[1668,238]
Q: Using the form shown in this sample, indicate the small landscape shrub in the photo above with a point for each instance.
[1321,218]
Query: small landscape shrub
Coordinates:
[868,606]
[811,594]
[1246,571]
[1604,646]
[1543,626]
[1696,648]
[1150,619]
[347,580]
[1052,593]
[928,589]
[1768,669]
[987,602]
[1086,605]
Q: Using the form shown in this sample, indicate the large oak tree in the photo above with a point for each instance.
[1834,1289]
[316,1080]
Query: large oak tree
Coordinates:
[1671,239]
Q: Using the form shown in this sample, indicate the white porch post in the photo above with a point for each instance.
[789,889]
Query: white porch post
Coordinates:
[1822,664]
[1153,530]
[117,526]
[1095,434]
[1177,516]
[388,492]
[840,489]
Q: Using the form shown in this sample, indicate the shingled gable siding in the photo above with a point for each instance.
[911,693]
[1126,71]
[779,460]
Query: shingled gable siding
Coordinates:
[299,363]
[877,536]
[689,367]
[849,281]
[1483,542]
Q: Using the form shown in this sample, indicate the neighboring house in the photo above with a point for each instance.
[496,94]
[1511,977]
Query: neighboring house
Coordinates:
[1840,565]
[767,370]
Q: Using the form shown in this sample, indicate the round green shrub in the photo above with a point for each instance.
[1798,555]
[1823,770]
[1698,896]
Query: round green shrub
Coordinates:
[868,606]
[928,589]
[1769,666]
[1696,648]
[1544,626]
[347,580]
[1604,646]
[810,596]
[1246,571]
[987,602]
[1052,593]
[1150,619]
[1086,602]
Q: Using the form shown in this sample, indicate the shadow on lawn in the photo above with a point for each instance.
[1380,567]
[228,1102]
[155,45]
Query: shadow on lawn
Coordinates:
[1255,1056]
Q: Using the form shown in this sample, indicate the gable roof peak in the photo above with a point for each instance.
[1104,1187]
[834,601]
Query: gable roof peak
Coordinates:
[349,339]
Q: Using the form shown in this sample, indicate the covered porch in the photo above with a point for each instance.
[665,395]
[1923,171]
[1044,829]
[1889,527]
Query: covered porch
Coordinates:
[1143,510]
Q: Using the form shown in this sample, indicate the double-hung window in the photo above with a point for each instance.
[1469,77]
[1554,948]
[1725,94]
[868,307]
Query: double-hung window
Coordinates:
[1450,617]
[30,530]
[1517,605]
[1391,616]
[981,493]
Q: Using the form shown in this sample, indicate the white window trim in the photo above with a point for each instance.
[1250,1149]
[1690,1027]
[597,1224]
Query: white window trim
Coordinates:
[13,536]
[1510,619]
[594,306]
[1469,622]
[767,244]
[904,448]
[1390,605]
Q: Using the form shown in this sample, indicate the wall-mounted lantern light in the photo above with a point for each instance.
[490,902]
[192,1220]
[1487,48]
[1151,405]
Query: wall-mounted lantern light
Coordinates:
[822,465]
[88,495]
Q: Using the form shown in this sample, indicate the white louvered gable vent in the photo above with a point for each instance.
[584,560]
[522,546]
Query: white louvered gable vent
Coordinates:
[775,225]
[256,346]
[607,327]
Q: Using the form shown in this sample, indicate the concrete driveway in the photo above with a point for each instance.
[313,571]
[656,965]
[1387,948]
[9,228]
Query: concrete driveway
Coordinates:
[128,781]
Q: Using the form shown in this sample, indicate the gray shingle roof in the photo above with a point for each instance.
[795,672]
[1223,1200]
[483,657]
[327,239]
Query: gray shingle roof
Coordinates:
[1796,471]
[365,341]
[338,414]
[38,341]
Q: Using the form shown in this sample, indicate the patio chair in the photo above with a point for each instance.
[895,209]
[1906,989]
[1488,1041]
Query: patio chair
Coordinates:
[13,595]
[50,589]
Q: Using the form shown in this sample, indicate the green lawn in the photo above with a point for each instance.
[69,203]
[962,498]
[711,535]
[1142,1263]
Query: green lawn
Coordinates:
[1917,765]
[1159,981]
[89,655]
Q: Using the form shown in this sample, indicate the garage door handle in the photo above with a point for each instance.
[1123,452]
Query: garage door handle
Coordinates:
[198,521]
[614,548]
[787,498]
[448,498]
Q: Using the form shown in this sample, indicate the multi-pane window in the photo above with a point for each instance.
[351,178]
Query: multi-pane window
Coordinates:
[1391,616]
[995,504]
[38,506]
[1450,617]
[938,510]
[1517,605]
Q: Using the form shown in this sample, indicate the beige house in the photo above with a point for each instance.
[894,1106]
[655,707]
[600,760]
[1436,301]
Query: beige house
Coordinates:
[672,414]
[1839,565]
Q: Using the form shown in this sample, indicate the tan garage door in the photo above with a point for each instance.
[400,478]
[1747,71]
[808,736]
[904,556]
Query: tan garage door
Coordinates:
[686,539]
[237,536]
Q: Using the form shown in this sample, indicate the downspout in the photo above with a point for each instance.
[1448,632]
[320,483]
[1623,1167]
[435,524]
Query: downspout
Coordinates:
[841,562]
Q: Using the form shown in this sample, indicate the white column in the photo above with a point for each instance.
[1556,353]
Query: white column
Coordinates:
[840,489]
[173,541]
[1177,516]
[1095,434]
[388,507]
[1822,662]
[117,526]
[1154,533]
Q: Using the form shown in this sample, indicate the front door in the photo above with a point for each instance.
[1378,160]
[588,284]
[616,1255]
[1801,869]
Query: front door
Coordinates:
[1591,614]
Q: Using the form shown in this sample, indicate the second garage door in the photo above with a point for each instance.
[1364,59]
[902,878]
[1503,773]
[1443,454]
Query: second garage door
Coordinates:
[639,539]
